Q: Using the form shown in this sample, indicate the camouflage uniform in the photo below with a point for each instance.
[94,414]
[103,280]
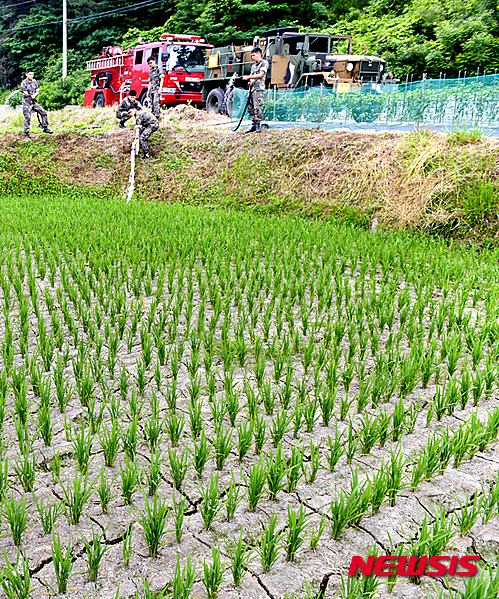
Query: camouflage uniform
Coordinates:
[154,91]
[256,90]
[29,105]
[148,124]
[122,111]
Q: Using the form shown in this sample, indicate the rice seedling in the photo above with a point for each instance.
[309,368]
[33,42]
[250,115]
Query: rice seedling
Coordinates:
[129,439]
[63,563]
[153,476]
[183,579]
[55,466]
[174,427]
[76,496]
[398,421]
[218,410]
[315,536]
[195,418]
[95,550]
[310,415]
[233,498]
[211,504]
[280,425]
[368,434]
[270,544]
[395,475]
[4,471]
[276,472]
[223,445]
[268,397]
[22,405]
[130,479]
[297,523]
[359,499]
[340,514]
[380,488]
[104,491]
[467,514]
[244,438]
[48,514]
[25,469]
[110,442]
[256,483]
[202,452]
[178,517]
[16,515]
[213,574]
[127,549]
[294,468]
[240,559]
[297,418]
[153,431]
[352,443]
[153,522]
[15,578]
[315,463]
[490,501]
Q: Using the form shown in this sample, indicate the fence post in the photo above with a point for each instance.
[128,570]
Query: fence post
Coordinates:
[320,106]
[421,99]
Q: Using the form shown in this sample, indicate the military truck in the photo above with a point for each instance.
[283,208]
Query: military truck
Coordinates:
[295,60]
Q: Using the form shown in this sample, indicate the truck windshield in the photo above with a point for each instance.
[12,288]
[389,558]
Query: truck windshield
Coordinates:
[189,58]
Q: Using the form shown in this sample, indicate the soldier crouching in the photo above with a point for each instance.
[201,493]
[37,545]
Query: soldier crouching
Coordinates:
[145,125]
[128,102]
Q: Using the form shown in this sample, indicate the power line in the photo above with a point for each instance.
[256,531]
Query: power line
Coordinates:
[77,20]
[17,4]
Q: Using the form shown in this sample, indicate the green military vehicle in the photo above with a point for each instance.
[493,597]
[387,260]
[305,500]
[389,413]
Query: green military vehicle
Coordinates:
[295,60]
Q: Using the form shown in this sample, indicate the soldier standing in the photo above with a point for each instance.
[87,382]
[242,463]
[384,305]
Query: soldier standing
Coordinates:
[145,124]
[156,77]
[30,89]
[127,102]
[256,84]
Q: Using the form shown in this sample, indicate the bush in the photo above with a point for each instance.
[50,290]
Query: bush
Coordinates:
[57,94]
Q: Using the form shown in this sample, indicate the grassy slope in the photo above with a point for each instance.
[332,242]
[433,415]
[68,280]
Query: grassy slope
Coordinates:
[423,181]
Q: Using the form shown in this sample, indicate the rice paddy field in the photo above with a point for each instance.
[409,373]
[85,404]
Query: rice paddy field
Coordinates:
[203,403]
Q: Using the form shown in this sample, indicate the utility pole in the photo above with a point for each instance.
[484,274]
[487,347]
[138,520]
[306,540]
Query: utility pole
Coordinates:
[64,39]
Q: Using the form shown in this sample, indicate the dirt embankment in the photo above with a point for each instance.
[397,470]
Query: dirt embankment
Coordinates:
[446,183]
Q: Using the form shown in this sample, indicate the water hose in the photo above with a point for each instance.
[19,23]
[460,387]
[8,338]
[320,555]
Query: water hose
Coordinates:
[131,180]
[244,112]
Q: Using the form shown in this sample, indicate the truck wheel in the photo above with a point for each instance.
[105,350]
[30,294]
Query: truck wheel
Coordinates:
[144,100]
[99,101]
[214,101]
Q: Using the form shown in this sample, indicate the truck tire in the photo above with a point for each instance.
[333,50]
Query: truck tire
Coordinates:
[214,101]
[99,101]
[144,100]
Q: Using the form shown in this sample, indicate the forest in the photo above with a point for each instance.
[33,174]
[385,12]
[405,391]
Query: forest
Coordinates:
[415,36]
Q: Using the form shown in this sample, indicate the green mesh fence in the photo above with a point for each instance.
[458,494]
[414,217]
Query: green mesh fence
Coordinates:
[470,101]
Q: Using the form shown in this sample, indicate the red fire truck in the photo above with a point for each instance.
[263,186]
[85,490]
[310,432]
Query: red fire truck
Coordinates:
[115,73]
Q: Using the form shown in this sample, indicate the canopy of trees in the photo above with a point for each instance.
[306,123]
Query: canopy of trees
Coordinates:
[415,36]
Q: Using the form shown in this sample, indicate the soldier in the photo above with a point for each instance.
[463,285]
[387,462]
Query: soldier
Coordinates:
[126,103]
[156,76]
[30,90]
[256,84]
[145,124]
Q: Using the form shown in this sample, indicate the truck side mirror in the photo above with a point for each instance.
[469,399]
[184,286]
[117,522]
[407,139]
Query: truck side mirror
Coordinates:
[164,56]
